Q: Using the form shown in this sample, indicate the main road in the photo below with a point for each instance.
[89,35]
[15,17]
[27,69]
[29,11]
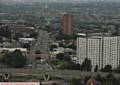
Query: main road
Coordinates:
[53,73]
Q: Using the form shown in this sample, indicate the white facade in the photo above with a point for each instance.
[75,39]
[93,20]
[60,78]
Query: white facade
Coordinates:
[101,51]
[110,51]
[88,48]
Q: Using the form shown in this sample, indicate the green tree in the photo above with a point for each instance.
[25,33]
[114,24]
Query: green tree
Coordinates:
[14,59]
[60,56]
[18,35]
[109,79]
[96,68]
[51,47]
[34,35]
[26,45]
[5,32]
[64,65]
[72,46]
[110,76]
[37,52]
[63,57]
[75,81]
[116,81]
[68,65]
[100,78]
[1,40]
[107,68]
[86,65]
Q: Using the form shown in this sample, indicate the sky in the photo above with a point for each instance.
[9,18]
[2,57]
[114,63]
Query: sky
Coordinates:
[54,0]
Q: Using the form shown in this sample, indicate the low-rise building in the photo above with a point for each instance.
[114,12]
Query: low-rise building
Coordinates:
[24,50]
[26,40]
[57,51]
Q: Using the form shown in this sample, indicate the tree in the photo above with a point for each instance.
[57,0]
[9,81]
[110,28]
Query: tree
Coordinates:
[26,45]
[109,79]
[75,81]
[110,76]
[48,28]
[116,32]
[64,65]
[37,52]
[1,40]
[107,68]
[34,35]
[72,46]
[52,47]
[18,35]
[5,32]
[60,56]
[63,57]
[61,45]
[67,57]
[14,59]
[96,68]
[86,65]
[68,65]
[100,78]
[76,66]
[116,81]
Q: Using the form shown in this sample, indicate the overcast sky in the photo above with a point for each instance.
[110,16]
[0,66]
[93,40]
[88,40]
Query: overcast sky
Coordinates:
[55,0]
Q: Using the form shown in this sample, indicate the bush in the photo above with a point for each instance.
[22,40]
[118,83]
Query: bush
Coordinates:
[14,59]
